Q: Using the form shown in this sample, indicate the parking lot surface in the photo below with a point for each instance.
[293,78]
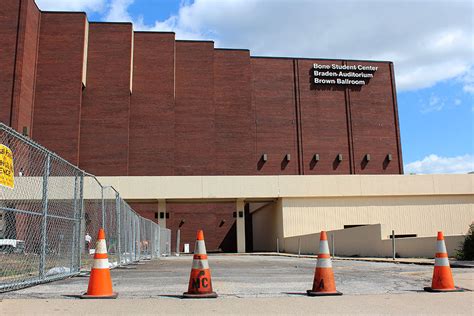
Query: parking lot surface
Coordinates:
[277,279]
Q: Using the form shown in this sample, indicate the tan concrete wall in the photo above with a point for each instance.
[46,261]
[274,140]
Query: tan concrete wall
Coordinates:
[257,187]
[366,241]
[235,187]
[267,227]
[421,215]
[363,241]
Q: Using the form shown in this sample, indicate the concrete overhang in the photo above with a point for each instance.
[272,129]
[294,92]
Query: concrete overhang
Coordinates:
[264,188]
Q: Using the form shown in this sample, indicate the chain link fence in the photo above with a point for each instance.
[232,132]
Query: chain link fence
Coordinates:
[50,220]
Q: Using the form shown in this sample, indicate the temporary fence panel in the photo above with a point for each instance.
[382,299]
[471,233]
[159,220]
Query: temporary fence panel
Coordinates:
[165,242]
[110,225]
[92,220]
[50,218]
[39,215]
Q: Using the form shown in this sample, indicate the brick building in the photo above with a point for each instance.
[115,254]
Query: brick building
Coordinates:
[121,103]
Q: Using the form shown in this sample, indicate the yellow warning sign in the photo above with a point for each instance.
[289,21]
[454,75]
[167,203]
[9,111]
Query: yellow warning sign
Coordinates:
[7,177]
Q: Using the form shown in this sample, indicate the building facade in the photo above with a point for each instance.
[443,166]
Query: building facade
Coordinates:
[117,102]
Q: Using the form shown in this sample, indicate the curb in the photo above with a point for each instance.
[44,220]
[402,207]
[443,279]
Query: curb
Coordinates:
[418,261]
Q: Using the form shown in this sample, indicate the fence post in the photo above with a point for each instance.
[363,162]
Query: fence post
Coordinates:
[138,246]
[393,244]
[299,247]
[333,248]
[158,242]
[119,227]
[131,235]
[168,244]
[278,246]
[178,241]
[103,207]
[45,216]
[75,234]
[81,228]
[151,244]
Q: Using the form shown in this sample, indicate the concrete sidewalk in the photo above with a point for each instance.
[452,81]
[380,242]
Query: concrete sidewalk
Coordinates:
[402,304]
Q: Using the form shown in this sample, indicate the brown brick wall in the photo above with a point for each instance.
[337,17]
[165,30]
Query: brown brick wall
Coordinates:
[106,100]
[274,99]
[19,25]
[58,97]
[373,124]
[234,113]
[145,209]
[219,236]
[194,110]
[323,123]
[152,112]
[24,87]
[216,219]
[195,131]
[9,14]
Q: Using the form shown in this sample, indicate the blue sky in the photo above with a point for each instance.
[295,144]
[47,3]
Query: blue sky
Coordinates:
[431,43]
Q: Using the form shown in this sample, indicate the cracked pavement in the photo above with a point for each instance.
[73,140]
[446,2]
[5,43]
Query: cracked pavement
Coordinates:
[251,276]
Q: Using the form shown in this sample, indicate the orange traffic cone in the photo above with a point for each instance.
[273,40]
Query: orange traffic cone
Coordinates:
[323,283]
[200,285]
[100,283]
[442,276]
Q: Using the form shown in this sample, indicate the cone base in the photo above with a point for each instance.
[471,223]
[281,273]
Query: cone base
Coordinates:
[191,295]
[312,293]
[85,296]
[456,289]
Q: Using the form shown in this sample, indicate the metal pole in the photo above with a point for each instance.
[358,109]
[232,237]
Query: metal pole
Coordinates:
[299,247]
[278,246]
[82,227]
[134,237]
[152,241]
[137,247]
[178,237]
[168,245]
[130,235]
[117,211]
[393,244]
[103,208]
[44,228]
[332,243]
[75,235]
[158,241]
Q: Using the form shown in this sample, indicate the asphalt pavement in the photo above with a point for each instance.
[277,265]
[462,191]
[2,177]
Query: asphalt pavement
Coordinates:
[258,280]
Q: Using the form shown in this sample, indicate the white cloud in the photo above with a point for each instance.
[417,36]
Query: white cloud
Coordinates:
[436,164]
[428,40]
[468,81]
[71,5]
[457,102]
[435,104]
[118,11]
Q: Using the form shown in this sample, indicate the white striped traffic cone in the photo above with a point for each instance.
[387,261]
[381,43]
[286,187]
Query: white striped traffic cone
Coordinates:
[200,285]
[442,276]
[100,282]
[323,284]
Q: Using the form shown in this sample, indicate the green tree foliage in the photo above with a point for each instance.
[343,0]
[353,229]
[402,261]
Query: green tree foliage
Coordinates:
[466,252]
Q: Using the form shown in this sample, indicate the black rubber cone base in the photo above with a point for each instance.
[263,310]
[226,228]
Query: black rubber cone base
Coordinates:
[98,297]
[456,289]
[191,295]
[312,293]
